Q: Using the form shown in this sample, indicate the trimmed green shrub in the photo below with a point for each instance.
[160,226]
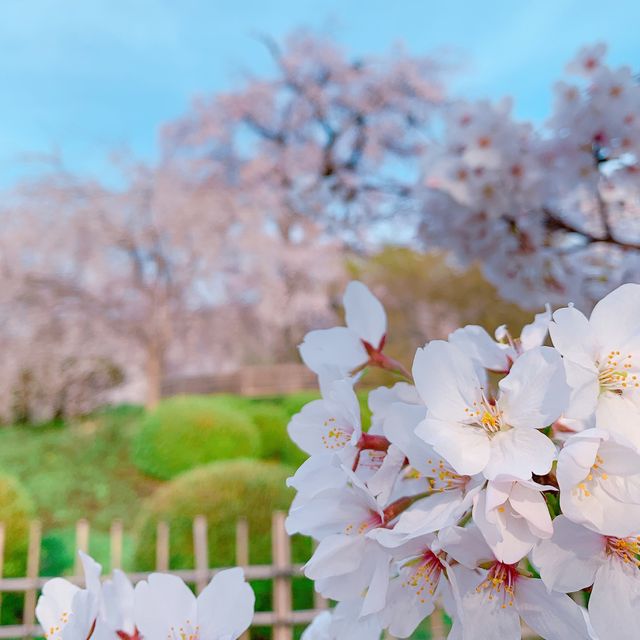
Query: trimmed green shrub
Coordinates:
[16,510]
[272,421]
[188,431]
[223,492]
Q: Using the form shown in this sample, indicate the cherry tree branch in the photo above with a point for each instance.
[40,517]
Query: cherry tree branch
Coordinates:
[554,222]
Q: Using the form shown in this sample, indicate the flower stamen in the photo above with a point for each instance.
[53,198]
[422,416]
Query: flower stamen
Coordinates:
[500,583]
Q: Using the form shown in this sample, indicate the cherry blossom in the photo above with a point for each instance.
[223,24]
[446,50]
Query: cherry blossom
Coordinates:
[480,468]
[600,353]
[67,612]
[599,479]
[166,608]
[117,614]
[576,557]
[499,354]
[513,517]
[421,580]
[347,349]
[476,432]
[344,621]
[494,600]
[330,424]
[346,561]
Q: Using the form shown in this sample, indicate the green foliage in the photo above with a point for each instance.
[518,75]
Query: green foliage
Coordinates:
[294,402]
[223,492]
[16,510]
[81,470]
[187,431]
[271,420]
[59,550]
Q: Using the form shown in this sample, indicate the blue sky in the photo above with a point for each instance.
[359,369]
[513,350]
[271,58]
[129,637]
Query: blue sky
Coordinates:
[85,77]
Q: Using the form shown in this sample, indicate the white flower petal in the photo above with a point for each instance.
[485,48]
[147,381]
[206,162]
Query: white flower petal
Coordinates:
[509,538]
[486,619]
[619,416]
[477,343]
[534,334]
[117,598]
[340,348]
[336,555]
[56,599]
[585,391]
[530,505]
[614,605]
[573,337]
[464,447]
[447,380]
[400,428]
[162,602]
[535,392]
[518,453]
[569,560]
[615,318]
[364,313]
[329,424]
[466,545]
[225,606]
[555,616]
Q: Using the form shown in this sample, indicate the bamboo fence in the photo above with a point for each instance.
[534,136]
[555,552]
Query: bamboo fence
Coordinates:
[281,619]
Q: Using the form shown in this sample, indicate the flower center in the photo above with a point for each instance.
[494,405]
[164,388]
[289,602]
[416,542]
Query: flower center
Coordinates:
[360,528]
[444,478]
[595,475]
[626,549]
[500,583]
[614,374]
[485,414]
[335,437]
[425,574]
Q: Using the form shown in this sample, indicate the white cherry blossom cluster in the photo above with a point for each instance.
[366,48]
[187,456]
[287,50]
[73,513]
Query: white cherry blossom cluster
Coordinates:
[500,480]
[547,210]
[159,608]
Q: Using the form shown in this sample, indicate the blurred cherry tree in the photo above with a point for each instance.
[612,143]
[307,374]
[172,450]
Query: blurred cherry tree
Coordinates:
[551,214]
[234,243]
[328,145]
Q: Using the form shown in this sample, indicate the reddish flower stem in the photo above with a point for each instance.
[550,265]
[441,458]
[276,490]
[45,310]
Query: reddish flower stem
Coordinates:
[402,504]
[382,361]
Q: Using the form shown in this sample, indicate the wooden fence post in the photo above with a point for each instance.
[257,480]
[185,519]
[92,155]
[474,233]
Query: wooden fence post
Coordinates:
[201,552]
[242,553]
[115,544]
[281,555]
[33,569]
[82,544]
[162,547]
